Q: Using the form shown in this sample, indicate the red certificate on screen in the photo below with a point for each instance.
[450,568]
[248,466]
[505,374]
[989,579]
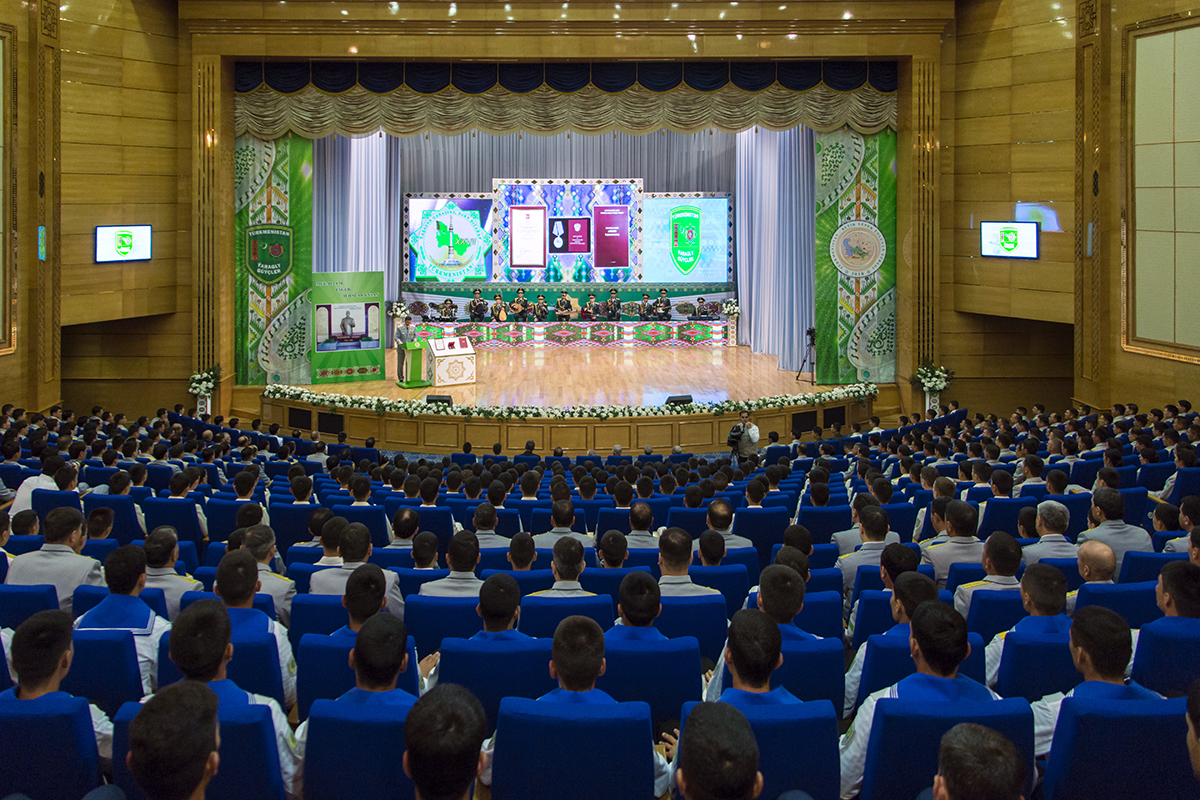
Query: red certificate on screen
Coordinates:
[527,237]
[612,236]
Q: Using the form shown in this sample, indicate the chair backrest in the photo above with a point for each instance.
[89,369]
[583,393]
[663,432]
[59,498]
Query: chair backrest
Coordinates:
[1001,513]
[1167,659]
[538,752]
[662,673]
[812,670]
[430,619]
[290,523]
[963,572]
[1136,602]
[1139,567]
[254,667]
[528,581]
[829,579]
[1035,666]
[262,601]
[613,519]
[49,748]
[315,613]
[902,518]
[1130,748]
[993,612]
[410,580]
[762,526]
[372,517]
[607,581]
[874,616]
[784,730]
[541,615]
[222,518]
[703,616]
[351,752]
[105,669]
[85,598]
[18,603]
[99,548]
[46,500]
[692,520]
[177,513]
[731,580]
[823,522]
[494,670]
[820,616]
[1068,567]
[902,751]
[302,573]
[125,523]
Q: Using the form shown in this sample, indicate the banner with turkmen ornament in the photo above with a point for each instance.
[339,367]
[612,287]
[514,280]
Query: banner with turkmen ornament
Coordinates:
[855,291]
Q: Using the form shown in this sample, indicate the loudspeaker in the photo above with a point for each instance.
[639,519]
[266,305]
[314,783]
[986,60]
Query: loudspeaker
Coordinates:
[439,398]
[679,399]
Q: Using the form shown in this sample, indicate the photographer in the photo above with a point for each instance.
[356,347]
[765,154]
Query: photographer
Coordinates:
[743,438]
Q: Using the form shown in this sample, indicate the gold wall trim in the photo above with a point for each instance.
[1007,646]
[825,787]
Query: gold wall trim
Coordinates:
[8,209]
[926,213]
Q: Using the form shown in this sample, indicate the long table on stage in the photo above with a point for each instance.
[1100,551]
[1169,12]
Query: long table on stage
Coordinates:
[633,333]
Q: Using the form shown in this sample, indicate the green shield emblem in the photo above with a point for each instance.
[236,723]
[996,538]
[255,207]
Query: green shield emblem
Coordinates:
[123,242]
[685,237]
[1008,239]
[269,252]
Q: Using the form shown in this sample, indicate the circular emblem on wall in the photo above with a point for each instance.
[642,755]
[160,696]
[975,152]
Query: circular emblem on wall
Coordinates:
[857,249]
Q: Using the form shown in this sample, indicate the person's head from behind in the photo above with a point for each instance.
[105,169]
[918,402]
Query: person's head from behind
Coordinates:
[425,550]
[640,600]
[521,551]
[674,551]
[366,593]
[355,543]
[1043,590]
[1097,562]
[938,639]
[499,602]
[25,523]
[1101,643]
[613,549]
[443,734]
[380,653]
[978,763]
[463,552]
[200,641]
[42,652]
[895,560]
[237,579]
[961,518]
[100,522]
[568,559]
[577,654]
[64,526]
[712,548]
[125,570]
[1178,590]
[799,537]
[911,589]
[718,755]
[1001,555]
[781,593]
[173,742]
[754,648]
[720,515]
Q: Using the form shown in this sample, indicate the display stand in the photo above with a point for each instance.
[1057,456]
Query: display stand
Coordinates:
[453,361]
[414,364]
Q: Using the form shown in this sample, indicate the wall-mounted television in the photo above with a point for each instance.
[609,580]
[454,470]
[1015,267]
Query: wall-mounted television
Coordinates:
[1008,239]
[122,243]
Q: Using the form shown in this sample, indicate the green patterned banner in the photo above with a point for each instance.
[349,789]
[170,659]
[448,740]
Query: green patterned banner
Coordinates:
[273,258]
[856,257]
[347,315]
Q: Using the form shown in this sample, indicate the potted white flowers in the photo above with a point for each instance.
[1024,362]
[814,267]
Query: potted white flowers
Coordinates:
[732,310]
[933,381]
[202,384]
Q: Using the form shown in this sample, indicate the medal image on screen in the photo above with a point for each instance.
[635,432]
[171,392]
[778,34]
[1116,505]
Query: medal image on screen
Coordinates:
[570,235]
[528,236]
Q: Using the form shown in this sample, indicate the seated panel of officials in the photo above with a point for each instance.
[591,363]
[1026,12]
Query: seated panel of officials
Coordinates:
[521,309]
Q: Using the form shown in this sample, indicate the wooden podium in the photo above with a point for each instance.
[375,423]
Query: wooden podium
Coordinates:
[453,361]
[414,364]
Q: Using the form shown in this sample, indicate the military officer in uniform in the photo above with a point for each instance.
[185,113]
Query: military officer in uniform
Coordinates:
[591,309]
[162,551]
[260,543]
[540,310]
[612,306]
[404,335]
[520,307]
[449,310]
[499,309]
[478,307]
[645,308]
[563,307]
[662,306]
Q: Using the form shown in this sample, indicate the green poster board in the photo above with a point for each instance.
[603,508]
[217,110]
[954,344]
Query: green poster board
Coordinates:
[347,324]
[855,301]
[273,259]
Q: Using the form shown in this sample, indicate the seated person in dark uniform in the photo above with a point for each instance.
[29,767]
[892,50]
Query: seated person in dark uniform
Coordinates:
[563,307]
[645,308]
[612,306]
[662,306]
[477,307]
[520,307]
[701,311]
[540,310]
[499,309]
[591,309]
[449,310]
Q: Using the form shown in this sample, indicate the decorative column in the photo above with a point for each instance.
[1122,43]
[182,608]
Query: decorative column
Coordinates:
[46,308]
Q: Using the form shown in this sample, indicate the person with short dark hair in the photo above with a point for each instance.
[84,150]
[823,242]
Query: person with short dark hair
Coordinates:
[1189,521]
[201,646]
[161,547]
[562,515]
[58,562]
[463,557]
[977,762]
[712,548]
[122,609]
[1108,507]
[674,557]
[443,737]
[720,519]
[521,552]
[1001,560]
[1101,649]
[406,524]
[576,661]
[100,523]
[613,550]
[355,548]
[718,755]
[639,604]
[485,519]
[873,531]
[567,565]
[1044,595]
[41,653]
[173,743]
[938,640]
[641,523]
[961,546]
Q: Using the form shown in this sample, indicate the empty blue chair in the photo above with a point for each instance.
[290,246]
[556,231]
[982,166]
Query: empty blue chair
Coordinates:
[822,523]
[323,670]
[290,523]
[430,619]
[1000,514]
[541,615]
[902,518]
[1078,506]
[538,747]
[827,580]
[19,603]
[902,751]
[1127,749]
[692,520]
[495,559]
[178,513]
[811,670]
[158,476]
[393,557]
[20,545]
[762,526]
[612,519]
[126,527]
[221,515]
[410,580]
[50,749]
[731,580]
[783,731]
[46,500]
[528,581]
[746,556]
[1139,567]
[820,616]
[703,617]
[1136,602]
[662,673]
[961,573]
[874,616]
[1167,659]
[1083,473]
[315,613]
[1068,567]
[207,577]
[494,669]
[350,752]
[105,669]
[607,581]
[994,612]
[372,517]
[1034,666]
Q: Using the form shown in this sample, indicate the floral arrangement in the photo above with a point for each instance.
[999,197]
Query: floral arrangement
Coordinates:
[931,379]
[730,308]
[202,383]
[394,309]
[857,391]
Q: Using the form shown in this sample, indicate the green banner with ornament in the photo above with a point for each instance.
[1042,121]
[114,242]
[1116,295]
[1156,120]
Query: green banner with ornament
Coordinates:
[273,259]
[855,297]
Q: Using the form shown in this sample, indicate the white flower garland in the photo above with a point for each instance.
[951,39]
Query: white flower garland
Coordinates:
[202,384]
[380,405]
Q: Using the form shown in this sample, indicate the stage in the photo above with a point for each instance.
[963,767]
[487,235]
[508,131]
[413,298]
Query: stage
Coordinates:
[582,333]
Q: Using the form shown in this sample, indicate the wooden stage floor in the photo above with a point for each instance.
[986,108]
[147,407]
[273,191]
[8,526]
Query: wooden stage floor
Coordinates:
[562,376]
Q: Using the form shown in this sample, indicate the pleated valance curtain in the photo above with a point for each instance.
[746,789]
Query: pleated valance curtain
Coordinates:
[317,99]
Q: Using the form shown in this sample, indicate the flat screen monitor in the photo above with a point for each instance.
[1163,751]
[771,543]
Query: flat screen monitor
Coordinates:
[1008,239]
[122,243]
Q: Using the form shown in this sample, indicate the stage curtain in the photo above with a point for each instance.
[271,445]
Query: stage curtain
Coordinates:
[775,227]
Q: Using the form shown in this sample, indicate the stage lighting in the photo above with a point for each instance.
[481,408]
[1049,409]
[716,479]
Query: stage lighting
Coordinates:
[438,398]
